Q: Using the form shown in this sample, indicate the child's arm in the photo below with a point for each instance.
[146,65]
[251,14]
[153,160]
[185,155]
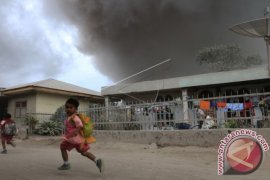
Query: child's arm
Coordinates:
[2,124]
[75,132]
[78,125]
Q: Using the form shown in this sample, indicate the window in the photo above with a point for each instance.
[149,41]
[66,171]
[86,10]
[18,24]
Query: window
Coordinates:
[20,108]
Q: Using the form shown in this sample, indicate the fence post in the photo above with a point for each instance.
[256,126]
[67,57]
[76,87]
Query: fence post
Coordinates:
[107,101]
[185,104]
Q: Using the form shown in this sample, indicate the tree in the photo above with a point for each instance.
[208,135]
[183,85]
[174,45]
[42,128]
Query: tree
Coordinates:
[59,114]
[226,57]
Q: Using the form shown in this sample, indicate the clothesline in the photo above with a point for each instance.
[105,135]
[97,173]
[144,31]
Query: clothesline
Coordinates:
[231,96]
[206,105]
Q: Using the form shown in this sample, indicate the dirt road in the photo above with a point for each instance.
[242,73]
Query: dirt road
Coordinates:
[39,159]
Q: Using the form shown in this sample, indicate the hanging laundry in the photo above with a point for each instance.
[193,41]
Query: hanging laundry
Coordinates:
[212,103]
[205,105]
[221,104]
[248,105]
[235,106]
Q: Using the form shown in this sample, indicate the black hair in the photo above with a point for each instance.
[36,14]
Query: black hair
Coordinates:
[73,101]
[7,116]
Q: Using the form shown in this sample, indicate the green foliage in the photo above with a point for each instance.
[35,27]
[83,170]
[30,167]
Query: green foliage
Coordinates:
[226,57]
[231,123]
[55,125]
[30,121]
[59,114]
[51,128]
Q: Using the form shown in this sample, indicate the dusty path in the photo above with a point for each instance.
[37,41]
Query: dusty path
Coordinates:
[38,160]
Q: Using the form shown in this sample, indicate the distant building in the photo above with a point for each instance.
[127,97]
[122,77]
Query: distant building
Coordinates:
[44,97]
[226,86]
[3,103]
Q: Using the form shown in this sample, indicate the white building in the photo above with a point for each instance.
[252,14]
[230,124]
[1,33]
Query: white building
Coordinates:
[44,97]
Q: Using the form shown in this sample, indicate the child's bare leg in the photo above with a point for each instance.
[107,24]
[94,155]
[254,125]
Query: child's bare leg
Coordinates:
[4,144]
[99,162]
[66,165]
[89,156]
[64,155]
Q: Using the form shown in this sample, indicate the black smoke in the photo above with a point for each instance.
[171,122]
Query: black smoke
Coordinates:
[127,36]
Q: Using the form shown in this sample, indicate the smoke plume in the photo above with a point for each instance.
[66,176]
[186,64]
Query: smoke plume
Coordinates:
[127,36]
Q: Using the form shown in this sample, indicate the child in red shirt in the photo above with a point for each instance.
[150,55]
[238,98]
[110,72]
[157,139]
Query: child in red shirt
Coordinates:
[73,138]
[8,129]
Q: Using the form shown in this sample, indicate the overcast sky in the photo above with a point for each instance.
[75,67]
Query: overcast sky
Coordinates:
[34,47]
[92,43]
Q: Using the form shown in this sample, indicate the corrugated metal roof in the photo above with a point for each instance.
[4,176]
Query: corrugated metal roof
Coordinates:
[58,85]
[189,81]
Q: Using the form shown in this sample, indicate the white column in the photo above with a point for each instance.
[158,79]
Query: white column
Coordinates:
[185,104]
[267,40]
[107,104]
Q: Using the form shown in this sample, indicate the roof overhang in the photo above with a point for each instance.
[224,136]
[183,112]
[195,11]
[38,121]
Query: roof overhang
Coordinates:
[188,81]
[29,89]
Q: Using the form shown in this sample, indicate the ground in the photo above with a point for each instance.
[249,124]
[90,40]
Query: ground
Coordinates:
[38,159]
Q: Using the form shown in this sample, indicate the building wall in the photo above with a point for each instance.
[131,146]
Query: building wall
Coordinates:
[49,103]
[84,104]
[3,106]
[29,98]
[202,138]
[194,92]
[42,103]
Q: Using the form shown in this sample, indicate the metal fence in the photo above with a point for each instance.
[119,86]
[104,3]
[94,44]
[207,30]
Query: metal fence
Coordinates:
[238,111]
[241,111]
[253,110]
[144,116]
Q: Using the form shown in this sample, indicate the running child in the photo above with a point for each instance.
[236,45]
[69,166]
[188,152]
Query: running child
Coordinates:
[73,138]
[8,130]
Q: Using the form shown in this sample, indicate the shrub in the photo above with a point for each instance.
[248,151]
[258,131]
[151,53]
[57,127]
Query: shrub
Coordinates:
[231,123]
[51,128]
[31,122]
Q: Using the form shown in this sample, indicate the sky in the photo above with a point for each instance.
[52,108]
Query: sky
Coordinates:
[35,47]
[93,43]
